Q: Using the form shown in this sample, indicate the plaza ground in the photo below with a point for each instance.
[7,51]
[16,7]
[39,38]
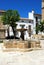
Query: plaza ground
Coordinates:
[35,57]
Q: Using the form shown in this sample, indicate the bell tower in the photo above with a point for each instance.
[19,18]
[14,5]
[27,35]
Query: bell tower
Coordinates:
[42,10]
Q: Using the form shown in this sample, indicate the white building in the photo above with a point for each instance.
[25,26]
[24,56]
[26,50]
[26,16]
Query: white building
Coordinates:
[29,23]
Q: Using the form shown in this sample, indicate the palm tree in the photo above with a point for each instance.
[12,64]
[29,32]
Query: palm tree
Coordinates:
[10,17]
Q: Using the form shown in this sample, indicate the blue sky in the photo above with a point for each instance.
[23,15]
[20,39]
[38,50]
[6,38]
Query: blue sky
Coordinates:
[23,6]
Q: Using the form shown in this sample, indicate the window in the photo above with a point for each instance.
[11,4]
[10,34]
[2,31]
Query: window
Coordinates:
[36,19]
[29,30]
[22,21]
[29,21]
[22,26]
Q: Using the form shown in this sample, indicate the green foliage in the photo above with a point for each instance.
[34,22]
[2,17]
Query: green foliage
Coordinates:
[1,41]
[40,27]
[10,17]
[6,17]
[37,28]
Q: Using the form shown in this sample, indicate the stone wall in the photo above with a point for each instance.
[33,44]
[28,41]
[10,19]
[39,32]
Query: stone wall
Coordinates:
[21,44]
[43,14]
[2,30]
[42,43]
[2,34]
[15,44]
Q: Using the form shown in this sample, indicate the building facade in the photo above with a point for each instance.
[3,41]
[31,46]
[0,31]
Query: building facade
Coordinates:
[29,23]
[2,27]
[42,9]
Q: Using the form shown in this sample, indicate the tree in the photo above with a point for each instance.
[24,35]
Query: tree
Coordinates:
[10,17]
[37,29]
[40,27]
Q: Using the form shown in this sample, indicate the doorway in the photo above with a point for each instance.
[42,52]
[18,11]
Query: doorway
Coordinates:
[29,30]
[22,31]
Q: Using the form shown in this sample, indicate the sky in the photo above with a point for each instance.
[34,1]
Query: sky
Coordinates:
[23,6]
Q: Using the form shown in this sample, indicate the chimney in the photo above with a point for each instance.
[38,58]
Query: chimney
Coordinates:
[31,15]
[33,11]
